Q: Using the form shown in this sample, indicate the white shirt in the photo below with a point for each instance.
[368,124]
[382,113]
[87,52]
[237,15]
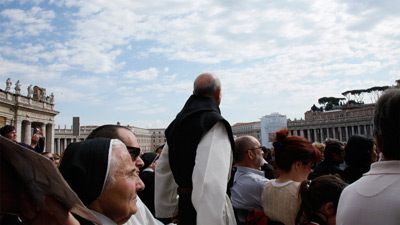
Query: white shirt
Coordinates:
[210,176]
[374,198]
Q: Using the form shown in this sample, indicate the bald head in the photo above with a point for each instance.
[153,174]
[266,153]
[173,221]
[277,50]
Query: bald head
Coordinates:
[243,144]
[207,84]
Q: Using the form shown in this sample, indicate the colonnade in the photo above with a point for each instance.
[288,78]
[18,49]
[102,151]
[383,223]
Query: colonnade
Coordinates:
[340,132]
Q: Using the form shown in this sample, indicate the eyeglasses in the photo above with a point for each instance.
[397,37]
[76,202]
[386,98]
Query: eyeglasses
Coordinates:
[252,149]
[51,158]
[134,152]
[310,164]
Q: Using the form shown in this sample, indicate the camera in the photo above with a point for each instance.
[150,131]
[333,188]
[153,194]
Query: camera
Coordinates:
[37,131]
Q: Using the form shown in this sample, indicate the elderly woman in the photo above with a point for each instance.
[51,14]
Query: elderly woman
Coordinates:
[294,158]
[102,174]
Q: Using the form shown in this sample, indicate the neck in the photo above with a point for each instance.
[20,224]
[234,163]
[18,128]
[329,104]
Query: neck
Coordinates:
[286,176]
[248,164]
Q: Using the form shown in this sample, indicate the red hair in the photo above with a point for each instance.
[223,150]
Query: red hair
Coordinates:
[290,149]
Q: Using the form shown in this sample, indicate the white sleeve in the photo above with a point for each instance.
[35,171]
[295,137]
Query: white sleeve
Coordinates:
[210,176]
[165,190]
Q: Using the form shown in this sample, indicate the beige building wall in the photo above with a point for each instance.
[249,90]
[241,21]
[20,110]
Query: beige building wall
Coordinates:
[247,129]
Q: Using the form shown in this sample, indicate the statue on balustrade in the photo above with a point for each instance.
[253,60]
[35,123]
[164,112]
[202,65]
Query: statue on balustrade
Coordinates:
[8,84]
[18,88]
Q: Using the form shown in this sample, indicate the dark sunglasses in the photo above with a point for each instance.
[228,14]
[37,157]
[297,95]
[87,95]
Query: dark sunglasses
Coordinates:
[134,152]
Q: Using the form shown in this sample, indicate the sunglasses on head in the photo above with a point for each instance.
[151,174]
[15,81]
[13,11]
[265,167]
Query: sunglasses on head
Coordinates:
[134,152]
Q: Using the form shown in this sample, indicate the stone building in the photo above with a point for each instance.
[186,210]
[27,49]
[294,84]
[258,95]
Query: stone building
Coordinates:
[339,123]
[64,136]
[157,137]
[28,112]
[247,129]
[269,125]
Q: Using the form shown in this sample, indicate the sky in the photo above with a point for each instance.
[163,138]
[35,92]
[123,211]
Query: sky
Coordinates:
[135,61]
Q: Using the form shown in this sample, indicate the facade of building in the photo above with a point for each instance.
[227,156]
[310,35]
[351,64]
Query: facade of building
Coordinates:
[340,123]
[28,112]
[247,129]
[157,137]
[269,125]
[63,137]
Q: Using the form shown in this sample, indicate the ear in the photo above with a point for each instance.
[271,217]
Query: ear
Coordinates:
[329,209]
[378,147]
[218,96]
[250,154]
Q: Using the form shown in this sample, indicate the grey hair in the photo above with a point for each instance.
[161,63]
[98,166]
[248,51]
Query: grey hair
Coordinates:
[114,162]
[209,88]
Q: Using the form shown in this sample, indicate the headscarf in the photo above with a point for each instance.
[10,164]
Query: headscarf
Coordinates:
[85,167]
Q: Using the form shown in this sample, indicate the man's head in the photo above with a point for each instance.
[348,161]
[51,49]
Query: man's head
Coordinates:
[387,124]
[248,152]
[334,151]
[9,132]
[121,133]
[50,156]
[108,179]
[150,160]
[208,85]
[159,149]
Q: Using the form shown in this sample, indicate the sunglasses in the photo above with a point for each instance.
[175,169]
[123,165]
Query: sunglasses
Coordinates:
[134,152]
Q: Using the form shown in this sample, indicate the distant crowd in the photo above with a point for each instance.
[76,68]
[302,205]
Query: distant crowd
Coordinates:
[205,175]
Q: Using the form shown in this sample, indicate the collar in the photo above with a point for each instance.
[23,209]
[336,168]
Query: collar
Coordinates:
[245,169]
[384,167]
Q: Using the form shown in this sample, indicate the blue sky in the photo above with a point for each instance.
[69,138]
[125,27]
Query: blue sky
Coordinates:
[134,62]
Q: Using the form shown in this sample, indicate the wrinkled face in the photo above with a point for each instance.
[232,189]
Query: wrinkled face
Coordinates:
[129,139]
[118,202]
[12,136]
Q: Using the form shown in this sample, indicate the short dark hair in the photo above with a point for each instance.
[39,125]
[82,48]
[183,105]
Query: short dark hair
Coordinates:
[6,129]
[358,151]
[106,131]
[290,149]
[242,145]
[387,123]
[332,147]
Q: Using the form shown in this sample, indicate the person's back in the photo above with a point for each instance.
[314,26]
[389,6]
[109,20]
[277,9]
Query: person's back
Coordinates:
[375,197]
[196,160]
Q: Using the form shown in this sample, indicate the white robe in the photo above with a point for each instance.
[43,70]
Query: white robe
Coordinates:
[210,176]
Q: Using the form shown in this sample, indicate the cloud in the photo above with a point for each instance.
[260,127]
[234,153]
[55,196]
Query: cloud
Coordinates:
[21,23]
[143,75]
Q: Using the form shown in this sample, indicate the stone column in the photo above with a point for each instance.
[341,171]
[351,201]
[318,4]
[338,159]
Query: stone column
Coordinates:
[347,134]
[340,134]
[302,133]
[27,132]
[18,128]
[315,135]
[308,135]
[59,151]
[50,138]
[365,129]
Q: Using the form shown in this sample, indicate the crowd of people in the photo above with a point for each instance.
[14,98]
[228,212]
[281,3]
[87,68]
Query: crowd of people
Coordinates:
[205,175]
